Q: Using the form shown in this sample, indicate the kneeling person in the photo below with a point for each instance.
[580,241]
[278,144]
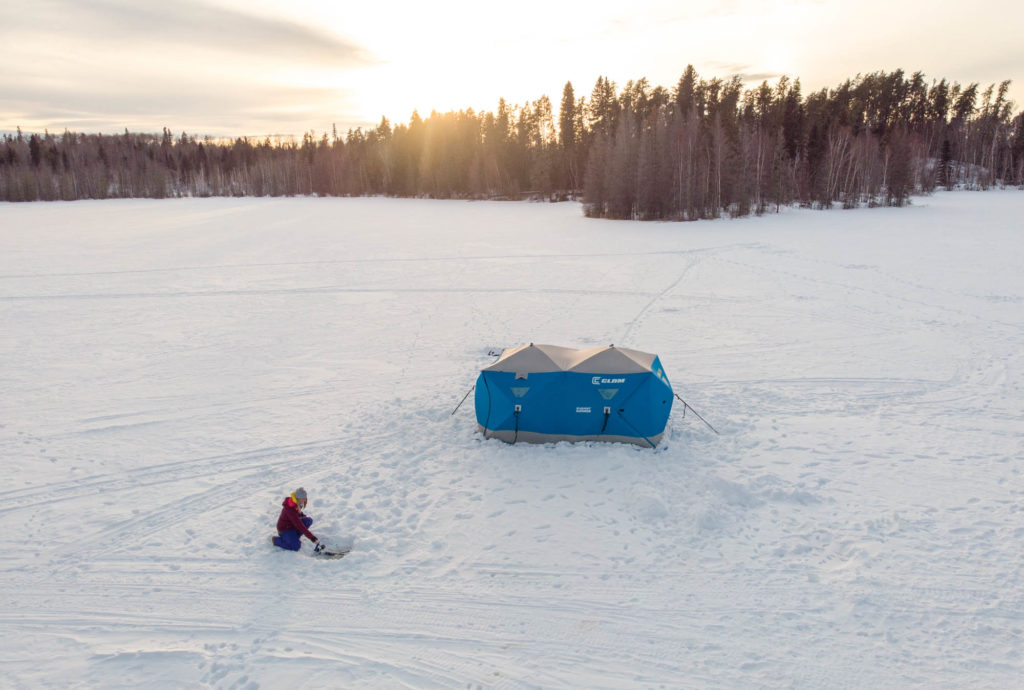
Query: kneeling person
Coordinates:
[293,523]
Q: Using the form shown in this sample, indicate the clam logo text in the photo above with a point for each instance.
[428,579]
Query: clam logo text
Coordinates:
[597,381]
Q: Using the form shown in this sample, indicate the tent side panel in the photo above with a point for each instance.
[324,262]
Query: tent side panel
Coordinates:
[482,400]
[659,371]
[572,406]
[595,400]
[647,410]
[537,395]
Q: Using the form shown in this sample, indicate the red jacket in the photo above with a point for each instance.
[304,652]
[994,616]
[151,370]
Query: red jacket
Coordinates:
[291,518]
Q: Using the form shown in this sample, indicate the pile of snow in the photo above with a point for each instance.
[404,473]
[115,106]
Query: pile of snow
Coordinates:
[172,369]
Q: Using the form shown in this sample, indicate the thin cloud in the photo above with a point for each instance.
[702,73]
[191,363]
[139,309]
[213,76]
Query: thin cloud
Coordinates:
[728,67]
[142,65]
[758,77]
[242,108]
[185,24]
[741,70]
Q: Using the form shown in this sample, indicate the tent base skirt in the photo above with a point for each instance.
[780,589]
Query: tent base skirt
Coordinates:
[511,436]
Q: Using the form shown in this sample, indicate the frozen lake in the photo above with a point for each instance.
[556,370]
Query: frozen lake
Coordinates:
[172,369]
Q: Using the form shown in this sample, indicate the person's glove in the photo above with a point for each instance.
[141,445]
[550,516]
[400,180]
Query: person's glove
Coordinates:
[319,547]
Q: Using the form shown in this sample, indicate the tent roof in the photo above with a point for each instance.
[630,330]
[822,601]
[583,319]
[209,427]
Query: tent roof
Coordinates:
[614,360]
[534,359]
[531,359]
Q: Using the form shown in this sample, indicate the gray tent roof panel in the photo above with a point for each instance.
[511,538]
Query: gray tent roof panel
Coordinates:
[614,360]
[531,359]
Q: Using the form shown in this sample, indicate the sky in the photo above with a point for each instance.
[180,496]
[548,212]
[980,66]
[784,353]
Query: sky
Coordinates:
[266,67]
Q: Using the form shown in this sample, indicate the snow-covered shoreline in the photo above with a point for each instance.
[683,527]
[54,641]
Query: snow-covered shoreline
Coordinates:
[173,368]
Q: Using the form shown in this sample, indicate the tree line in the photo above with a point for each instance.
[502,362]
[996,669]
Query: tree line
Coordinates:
[705,148]
[712,147]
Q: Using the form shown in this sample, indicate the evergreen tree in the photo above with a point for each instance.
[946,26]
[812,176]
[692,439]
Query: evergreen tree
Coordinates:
[569,138]
[594,193]
[604,108]
[35,149]
[621,170]
[686,99]
[945,168]
[792,119]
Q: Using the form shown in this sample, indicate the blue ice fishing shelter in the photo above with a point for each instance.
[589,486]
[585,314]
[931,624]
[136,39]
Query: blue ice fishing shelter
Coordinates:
[546,393]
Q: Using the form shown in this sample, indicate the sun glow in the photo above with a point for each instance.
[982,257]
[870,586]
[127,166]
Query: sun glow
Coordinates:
[777,58]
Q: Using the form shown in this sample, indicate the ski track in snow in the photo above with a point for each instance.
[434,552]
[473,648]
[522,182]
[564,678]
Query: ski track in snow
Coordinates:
[173,369]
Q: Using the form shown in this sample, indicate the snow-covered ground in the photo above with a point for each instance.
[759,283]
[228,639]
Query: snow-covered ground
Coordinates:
[170,370]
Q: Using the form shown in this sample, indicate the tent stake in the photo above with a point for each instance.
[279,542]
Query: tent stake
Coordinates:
[462,401]
[687,405]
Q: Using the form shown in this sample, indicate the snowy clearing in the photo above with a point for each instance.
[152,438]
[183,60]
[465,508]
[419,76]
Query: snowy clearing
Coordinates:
[172,369]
